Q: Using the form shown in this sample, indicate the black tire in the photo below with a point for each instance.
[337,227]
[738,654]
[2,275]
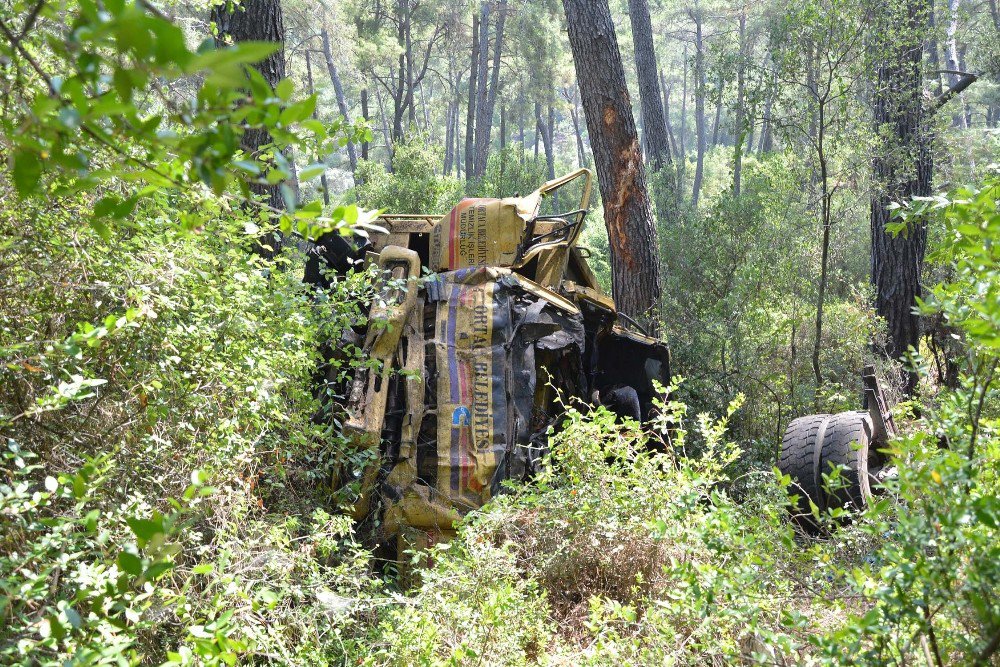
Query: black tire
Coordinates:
[798,459]
[848,443]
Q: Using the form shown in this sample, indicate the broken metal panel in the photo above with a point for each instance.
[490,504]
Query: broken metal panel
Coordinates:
[481,232]
[491,345]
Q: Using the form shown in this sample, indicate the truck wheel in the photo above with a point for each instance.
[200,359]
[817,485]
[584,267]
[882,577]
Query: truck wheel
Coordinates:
[798,458]
[848,443]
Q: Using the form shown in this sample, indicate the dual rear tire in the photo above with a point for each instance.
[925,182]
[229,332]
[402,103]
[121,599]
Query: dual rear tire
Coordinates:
[815,446]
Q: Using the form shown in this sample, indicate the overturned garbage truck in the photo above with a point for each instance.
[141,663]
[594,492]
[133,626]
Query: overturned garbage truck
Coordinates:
[491,322]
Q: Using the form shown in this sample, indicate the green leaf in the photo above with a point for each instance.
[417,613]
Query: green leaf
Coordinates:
[146,529]
[130,563]
[284,89]
[101,228]
[247,53]
[26,172]
[312,171]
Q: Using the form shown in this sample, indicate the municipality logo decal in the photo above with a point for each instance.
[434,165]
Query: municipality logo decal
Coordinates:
[461,416]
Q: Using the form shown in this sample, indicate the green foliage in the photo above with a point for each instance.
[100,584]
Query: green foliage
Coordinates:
[77,116]
[413,185]
[511,171]
[126,365]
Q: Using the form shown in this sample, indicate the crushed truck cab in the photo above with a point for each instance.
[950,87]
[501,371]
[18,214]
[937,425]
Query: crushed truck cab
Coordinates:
[490,322]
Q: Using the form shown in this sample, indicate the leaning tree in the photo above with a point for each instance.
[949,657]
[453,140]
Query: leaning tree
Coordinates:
[635,269]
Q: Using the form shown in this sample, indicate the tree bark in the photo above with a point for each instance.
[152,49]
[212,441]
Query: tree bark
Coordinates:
[902,168]
[654,121]
[574,112]
[260,21]
[683,136]
[312,91]
[364,114]
[338,89]
[954,62]
[448,139]
[488,97]
[666,117]
[718,112]
[546,131]
[741,129]
[470,118]
[621,174]
[699,105]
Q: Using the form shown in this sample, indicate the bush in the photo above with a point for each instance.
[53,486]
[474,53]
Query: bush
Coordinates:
[414,184]
[163,489]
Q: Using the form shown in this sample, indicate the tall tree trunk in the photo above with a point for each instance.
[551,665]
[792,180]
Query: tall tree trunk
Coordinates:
[654,123]
[666,117]
[258,21]
[448,139]
[488,97]
[933,53]
[682,171]
[574,112]
[384,118]
[312,91]
[399,95]
[538,128]
[766,131]
[520,123]
[456,137]
[699,104]
[338,89]
[364,114]
[741,129]
[955,62]
[902,168]
[546,131]
[635,265]
[716,123]
[503,126]
[826,202]
[470,118]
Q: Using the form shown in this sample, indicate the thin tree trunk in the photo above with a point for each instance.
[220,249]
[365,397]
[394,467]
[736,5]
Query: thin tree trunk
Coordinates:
[503,126]
[699,106]
[933,57]
[654,123]
[470,118]
[635,266]
[546,132]
[718,112]
[338,89]
[260,21]
[312,91]
[954,62]
[488,97]
[538,128]
[448,139]
[456,137]
[741,129]
[408,36]
[574,112]
[683,141]
[666,117]
[766,131]
[385,125]
[825,215]
[364,114]
[520,124]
